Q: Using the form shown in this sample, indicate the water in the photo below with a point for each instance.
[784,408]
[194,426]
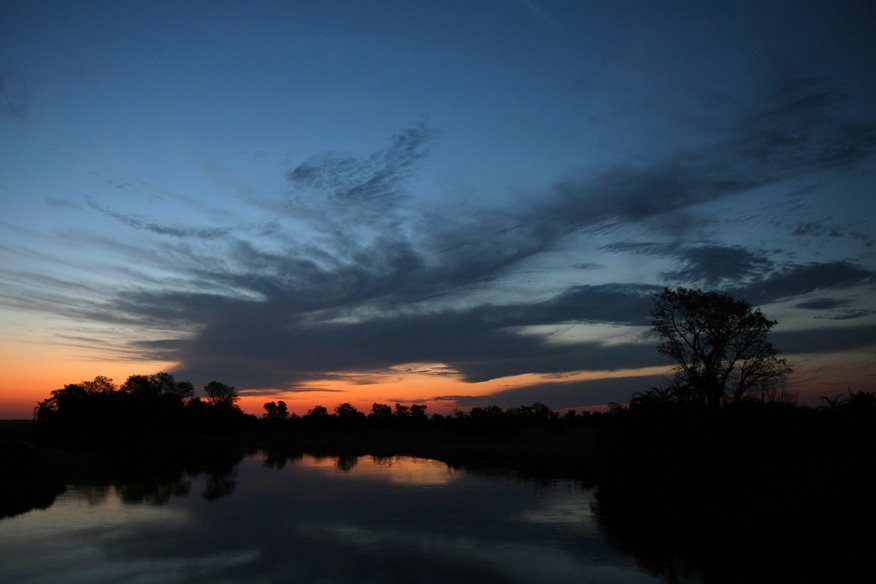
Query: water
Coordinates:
[326,520]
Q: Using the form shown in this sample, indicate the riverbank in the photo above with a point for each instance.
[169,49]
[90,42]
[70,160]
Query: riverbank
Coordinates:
[718,491]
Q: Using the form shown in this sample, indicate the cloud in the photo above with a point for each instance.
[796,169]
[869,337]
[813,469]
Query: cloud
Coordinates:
[562,395]
[800,131]
[12,103]
[848,314]
[825,229]
[380,176]
[824,340]
[845,312]
[710,265]
[479,343]
[179,232]
[817,229]
[822,304]
[714,265]
[274,392]
[799,279]
[62,203]
[746,274]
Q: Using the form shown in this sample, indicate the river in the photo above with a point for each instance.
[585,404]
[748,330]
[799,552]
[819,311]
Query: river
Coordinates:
[316,519]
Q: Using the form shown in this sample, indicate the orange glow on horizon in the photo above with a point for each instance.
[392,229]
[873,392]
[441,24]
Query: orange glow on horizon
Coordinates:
[361,390]
[28,374]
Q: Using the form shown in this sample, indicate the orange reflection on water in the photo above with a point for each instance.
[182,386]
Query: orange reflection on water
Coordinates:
[404,470]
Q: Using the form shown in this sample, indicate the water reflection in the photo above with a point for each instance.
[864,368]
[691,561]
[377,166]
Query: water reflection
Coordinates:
[407,470]
[302,518]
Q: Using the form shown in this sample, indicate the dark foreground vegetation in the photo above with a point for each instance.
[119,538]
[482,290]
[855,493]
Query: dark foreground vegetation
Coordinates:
[735,493]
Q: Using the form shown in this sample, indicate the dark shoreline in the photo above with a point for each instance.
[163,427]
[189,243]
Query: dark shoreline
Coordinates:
[766,492]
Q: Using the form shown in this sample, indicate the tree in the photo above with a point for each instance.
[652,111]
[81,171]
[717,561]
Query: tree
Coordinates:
[345,410]
[276,410]
[418,412]
[348,416]
[167,385]
[719,345]
[155,385]
[99,385]
[220,394]
[317,413]
[140,385]
[380,412]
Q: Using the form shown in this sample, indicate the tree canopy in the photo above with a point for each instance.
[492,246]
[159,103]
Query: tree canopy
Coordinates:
[719,345]
[142,405]
[220,394]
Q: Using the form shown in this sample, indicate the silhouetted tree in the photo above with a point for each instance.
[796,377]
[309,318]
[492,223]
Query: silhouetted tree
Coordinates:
[345,410]
[317,412]
[276,410]
[99,385]
[220,394]
[418,412]
[719,345]
[536,413]
[317,418]
[67,403]
[140,385]
[162,384]
[348,416]
[380,414]
[167,385]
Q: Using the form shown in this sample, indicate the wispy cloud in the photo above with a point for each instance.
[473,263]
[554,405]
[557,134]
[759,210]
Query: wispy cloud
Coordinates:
[826,228]
[711,265]
[172,231]
[797,280]
[823,304]
[378,177]
[13,104]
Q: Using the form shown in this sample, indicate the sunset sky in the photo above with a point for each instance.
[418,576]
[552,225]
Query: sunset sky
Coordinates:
[453,203]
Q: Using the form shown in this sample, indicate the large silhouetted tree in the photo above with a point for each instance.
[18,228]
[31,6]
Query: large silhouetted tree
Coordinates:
[220,394]
[719,345]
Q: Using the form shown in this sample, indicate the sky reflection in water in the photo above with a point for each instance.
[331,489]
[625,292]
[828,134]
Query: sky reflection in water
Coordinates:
[346,519]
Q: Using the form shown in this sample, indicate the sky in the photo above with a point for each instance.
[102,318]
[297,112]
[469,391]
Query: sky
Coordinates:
[451,203]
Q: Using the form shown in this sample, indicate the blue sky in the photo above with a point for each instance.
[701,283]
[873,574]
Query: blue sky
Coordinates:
[315,199]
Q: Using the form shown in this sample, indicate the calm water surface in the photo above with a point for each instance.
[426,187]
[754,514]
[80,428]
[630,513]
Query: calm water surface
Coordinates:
[334,519]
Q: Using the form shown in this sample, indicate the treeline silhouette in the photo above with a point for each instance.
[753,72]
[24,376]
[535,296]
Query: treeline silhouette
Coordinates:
[144,405]
[491,419]
[98,412]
